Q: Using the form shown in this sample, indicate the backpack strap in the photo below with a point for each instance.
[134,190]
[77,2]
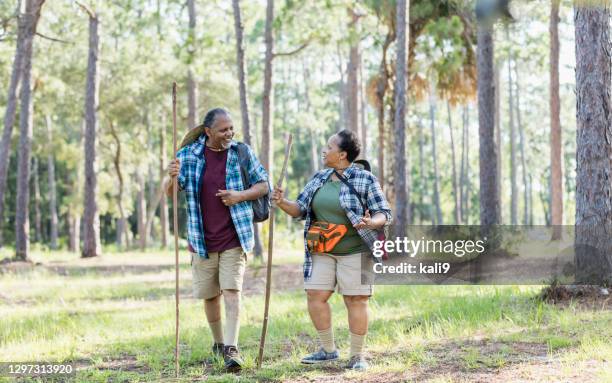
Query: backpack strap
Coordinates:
[351,188]
[381,234]
[243,161]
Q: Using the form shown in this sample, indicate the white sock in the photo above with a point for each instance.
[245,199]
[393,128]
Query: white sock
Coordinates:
[232,318]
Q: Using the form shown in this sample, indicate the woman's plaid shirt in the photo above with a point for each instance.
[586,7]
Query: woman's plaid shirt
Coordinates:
[366,184]
[192,163]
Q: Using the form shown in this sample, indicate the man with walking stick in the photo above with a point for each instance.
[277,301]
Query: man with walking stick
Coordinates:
[211,169]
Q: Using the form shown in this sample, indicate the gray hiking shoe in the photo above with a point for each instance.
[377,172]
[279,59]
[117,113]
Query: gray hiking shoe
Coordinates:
[358,363]
[233,361]
[320,356]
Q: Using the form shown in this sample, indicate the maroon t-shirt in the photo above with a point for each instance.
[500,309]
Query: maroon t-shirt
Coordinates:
[219,231]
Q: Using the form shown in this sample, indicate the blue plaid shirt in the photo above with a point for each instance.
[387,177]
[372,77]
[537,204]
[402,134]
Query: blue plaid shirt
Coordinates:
[192,164]
[370,192]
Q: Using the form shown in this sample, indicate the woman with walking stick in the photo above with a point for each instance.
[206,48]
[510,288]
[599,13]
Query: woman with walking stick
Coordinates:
[345,210]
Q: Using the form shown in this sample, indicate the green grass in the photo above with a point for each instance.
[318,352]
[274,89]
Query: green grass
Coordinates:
[118,325]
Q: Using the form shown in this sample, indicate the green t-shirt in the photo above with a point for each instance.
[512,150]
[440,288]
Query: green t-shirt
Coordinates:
[326,207]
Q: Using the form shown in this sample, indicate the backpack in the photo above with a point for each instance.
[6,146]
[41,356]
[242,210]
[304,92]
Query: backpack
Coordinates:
[261,206]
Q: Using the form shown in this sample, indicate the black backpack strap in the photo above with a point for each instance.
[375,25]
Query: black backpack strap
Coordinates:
[243,161]
[351,188]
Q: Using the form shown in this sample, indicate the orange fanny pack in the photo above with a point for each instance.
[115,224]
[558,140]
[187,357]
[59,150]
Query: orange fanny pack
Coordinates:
[323,236]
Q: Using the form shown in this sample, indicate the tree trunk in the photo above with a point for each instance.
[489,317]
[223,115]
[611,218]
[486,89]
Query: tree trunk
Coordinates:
[91,224]
[434,154]
[74,213]
[522,149]
[314,151]
[22,224]
[266,117]
[400,185]
[163,207]
[462,180]
[159,21]
[593,250]
[192,99]
[74,229]
[117,164]
[267,129]
[381,90]
[422,176]
[11,111]
[530,199]
[556,148]
[498,139]
[150,214]
[453,166]
[407,167]
[545,206]
[38,235]
[244,103]
[51,185]
[284,95]
[141,210]
[381,131]
[489,198]
[352,70]
[390,143]
[342,99]
[255,133]
[466,171]
[192,87]
[513,186]
[363,111]
[462,167]
[119,230]
[150,180]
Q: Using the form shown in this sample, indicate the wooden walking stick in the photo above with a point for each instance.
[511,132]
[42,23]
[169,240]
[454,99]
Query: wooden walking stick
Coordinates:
[279,184]
[175,229]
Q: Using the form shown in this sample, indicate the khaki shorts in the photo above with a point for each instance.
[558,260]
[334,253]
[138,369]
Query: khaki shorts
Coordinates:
[343,271]
[222,270]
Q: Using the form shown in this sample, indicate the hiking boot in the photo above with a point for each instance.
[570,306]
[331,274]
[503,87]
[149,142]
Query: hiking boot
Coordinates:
[233,361]
[358,363]
[217,349]
[320,356]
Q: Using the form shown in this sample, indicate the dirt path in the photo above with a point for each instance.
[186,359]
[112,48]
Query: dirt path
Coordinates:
[525,362]
[284,278]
